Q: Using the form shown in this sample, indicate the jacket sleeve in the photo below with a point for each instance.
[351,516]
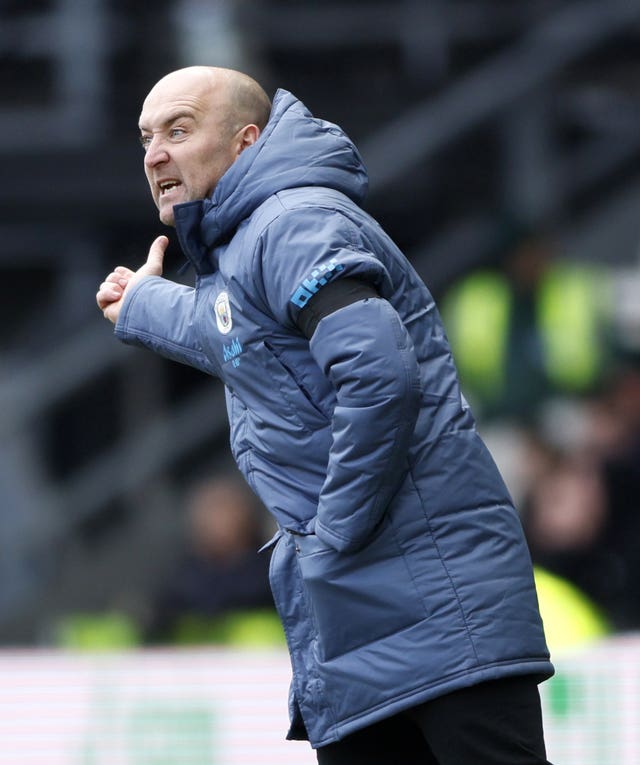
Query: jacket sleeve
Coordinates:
[366,352]
[158,314]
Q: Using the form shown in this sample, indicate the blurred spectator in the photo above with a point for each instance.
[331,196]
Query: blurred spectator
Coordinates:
[219,590]
[581,517]
[571,619]
[615,436]
[533,327]
[107,631]
[568,509]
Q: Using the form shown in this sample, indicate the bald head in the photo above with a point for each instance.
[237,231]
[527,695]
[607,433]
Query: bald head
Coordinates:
[194,124]
[247,100]
[238,98]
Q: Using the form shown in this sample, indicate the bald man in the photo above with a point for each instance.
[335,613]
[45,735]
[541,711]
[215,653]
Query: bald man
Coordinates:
[399,569]
[194,123]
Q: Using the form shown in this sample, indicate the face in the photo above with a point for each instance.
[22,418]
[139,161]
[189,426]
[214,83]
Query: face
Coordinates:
[187,147]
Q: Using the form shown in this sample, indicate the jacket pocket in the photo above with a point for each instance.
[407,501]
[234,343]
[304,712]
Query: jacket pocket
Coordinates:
[292,385]
[357,598]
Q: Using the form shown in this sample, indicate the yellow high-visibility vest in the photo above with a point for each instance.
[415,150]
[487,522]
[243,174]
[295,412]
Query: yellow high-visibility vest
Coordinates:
[569,315]
[570,618]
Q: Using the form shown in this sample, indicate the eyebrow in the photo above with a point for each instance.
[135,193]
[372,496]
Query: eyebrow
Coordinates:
[180,115]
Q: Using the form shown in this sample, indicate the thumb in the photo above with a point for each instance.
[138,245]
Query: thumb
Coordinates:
[153,266]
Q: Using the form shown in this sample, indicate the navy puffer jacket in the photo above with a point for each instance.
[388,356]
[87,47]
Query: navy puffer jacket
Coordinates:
[400,570]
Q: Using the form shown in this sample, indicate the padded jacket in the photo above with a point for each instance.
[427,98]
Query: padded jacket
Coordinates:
[400,570]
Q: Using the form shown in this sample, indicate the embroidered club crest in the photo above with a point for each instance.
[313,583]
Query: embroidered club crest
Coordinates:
[222,309]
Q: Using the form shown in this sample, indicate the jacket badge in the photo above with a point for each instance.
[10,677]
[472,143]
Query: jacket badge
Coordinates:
[222,309]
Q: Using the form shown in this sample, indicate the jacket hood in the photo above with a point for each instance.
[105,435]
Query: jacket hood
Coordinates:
[295,149]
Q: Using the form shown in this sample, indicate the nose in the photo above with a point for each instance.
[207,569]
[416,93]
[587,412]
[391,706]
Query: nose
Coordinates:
[155,153]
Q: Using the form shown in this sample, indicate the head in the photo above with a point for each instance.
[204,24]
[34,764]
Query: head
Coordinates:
[194,124]
[223,518]
[568,507]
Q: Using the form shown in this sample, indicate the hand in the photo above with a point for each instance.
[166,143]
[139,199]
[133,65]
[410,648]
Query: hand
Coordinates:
[113,289]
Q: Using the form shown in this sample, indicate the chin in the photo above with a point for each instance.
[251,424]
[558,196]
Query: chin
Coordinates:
[167,217]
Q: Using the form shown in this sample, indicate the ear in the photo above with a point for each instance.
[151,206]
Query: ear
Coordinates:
[247,137]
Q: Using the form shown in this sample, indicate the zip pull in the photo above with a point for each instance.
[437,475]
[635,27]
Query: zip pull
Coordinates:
[272,542]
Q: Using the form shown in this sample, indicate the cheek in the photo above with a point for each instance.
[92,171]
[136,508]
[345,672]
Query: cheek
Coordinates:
[210,166]
[203,182]
[147,174]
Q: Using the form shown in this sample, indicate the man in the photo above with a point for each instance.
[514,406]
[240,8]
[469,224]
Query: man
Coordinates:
[218,586]
[400,570]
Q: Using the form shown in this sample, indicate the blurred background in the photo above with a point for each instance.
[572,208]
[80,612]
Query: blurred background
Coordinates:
[503,149]
[503,145]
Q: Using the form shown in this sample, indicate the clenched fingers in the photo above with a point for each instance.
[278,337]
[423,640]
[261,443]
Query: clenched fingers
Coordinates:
[108,293]
[112,288]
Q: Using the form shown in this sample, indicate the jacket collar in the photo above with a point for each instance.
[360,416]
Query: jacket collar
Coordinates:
[188,217]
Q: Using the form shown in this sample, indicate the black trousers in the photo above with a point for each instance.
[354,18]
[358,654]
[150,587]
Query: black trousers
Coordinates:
[493,723]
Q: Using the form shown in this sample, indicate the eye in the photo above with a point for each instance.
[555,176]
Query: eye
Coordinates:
[177,132]
[145,140]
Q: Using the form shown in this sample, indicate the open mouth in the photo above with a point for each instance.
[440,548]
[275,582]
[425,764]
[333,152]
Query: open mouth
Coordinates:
[167,186]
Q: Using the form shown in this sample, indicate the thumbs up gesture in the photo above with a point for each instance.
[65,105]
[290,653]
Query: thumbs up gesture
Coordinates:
[113,289]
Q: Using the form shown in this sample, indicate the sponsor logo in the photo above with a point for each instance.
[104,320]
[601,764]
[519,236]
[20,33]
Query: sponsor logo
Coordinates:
[222,309]
[232,351]
[317,278]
